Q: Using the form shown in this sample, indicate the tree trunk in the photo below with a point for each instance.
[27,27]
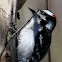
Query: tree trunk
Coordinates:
[8,9]
[7,27]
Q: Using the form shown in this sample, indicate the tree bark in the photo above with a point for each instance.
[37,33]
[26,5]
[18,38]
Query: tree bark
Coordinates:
[7,19]
[8,10]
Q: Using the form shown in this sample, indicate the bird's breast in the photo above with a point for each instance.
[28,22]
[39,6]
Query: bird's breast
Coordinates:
[26,43]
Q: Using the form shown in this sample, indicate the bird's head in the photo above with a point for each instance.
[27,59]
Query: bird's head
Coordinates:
[45,18]
[50,18]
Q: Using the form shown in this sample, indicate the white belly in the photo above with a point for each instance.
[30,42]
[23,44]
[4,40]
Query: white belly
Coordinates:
[25,43]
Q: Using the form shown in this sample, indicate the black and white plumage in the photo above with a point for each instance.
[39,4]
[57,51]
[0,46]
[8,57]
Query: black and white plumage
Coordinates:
[35,38]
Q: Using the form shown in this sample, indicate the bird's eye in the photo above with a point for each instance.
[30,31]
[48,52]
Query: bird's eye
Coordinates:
[42,12]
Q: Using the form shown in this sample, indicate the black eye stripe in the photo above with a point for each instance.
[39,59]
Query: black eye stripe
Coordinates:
[39,16]
[43,13]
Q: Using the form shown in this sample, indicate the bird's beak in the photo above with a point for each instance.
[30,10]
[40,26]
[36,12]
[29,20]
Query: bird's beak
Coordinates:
[33,11]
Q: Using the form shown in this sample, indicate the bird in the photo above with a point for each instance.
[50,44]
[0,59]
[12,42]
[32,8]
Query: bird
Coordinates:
[35,37]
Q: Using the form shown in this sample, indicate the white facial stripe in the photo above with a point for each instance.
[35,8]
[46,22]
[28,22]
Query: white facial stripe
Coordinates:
[42,16]
[48,12]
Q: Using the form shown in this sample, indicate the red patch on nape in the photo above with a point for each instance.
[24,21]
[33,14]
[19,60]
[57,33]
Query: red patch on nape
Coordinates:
[54,16]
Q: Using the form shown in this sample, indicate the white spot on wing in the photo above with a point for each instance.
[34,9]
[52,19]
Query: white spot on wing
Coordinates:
[40,39]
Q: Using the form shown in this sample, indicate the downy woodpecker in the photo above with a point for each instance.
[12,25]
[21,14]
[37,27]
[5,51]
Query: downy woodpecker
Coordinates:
[35,38]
